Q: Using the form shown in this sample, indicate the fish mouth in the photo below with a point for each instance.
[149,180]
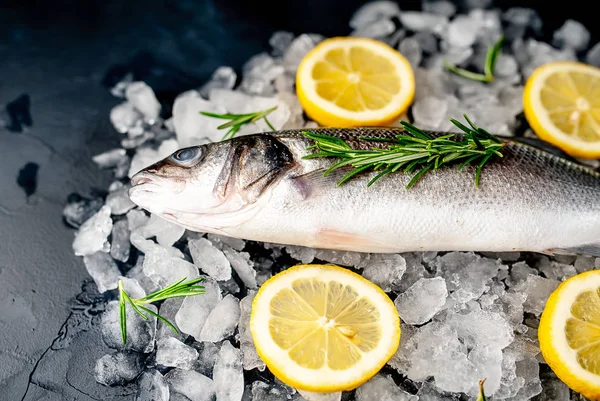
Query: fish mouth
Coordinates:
[144,181]
[141,178]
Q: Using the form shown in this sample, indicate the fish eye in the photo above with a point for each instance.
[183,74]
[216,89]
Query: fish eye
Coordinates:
[187,156]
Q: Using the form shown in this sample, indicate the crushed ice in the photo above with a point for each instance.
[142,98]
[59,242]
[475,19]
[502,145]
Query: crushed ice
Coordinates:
[465,316]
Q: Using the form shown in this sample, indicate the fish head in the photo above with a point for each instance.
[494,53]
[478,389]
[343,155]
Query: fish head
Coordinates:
[210,186]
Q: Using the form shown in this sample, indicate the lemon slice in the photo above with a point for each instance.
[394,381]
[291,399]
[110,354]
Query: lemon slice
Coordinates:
[323,328]
[562,105]
[569,333]
[350,81]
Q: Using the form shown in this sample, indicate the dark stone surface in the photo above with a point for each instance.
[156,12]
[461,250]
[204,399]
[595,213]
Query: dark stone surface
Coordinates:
[56,59]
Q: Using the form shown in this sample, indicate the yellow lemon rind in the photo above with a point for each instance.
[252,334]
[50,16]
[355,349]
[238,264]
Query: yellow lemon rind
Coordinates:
[323,384]
[541,124]
[551,333]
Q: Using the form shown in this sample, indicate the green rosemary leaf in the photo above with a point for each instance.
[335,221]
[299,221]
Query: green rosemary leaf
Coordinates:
[488,69]
[238,120]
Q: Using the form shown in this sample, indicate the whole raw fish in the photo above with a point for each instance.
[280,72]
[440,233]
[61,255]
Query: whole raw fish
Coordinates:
[259,187]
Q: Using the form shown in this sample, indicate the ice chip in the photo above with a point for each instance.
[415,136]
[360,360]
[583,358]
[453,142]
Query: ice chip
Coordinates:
[208,354]
[140,332]
[220,241]
[410,48]
[168,309]
[193,385]
[118,368]
[422,301]
[209,259]
[476,327]
[552,388]
[167,233]
[440,7]
[124,117]
[251,358]
[572,35]
[374,11]
[110,158]
[259,74]
[223,78]
[262,391]
[172,352]
[382,387]
[119,201]
[538,289]
[385,270]
[488,363]
[191,127]
[228,375]
[312,396]
[92,235]
[79,209]
[103,270]
[142,97]
[120,245]
[152,386]
[165,269]
[222,321]
[194,311]
[296,52]
[462,32]
[136,218]
[344,258]
[427,42]
[280,41]
[429,112]
[243,266]
[301,253]
[418,21]
[375,30]
[593,55]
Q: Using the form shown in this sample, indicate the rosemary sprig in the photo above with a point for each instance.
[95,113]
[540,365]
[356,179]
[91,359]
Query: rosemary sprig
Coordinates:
[413,151]
[179,289]
[488,70]
[238,120]
[481,396]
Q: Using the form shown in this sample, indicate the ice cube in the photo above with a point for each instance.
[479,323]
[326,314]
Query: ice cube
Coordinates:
[152,386]
[462,32]
[136,218]
[280,41]
[208,353]
[224,77]
[193,385]
[466,274]
[209,259]
[476,327]
[110,158]
[373,12]
[528,369]
[414,271]
[573,35]
[92,234]
[146,156]
[191,127]
[519,272]
[296,52]
[228,375]
[441,7]
[385,270]
[124,117]
[118,368]
[301,253]
[410,48]
[344,258]
[103,270]
[220,241]
[222,321]
[142,97]
[251,358]
[243,266]
[119,201]
[140,332]
[488,364]
[165,269]
[168,309]
[422,301]
[382,388]
[418,21]
[120,245]
[79,209]
[538,289]
[132,287]
[166,232]
[312,396]
[259,73]
[593,55]
[429,112]
[427,42]
[375,30]
[194,311]
[172,352]
[401,359]
[555,270]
